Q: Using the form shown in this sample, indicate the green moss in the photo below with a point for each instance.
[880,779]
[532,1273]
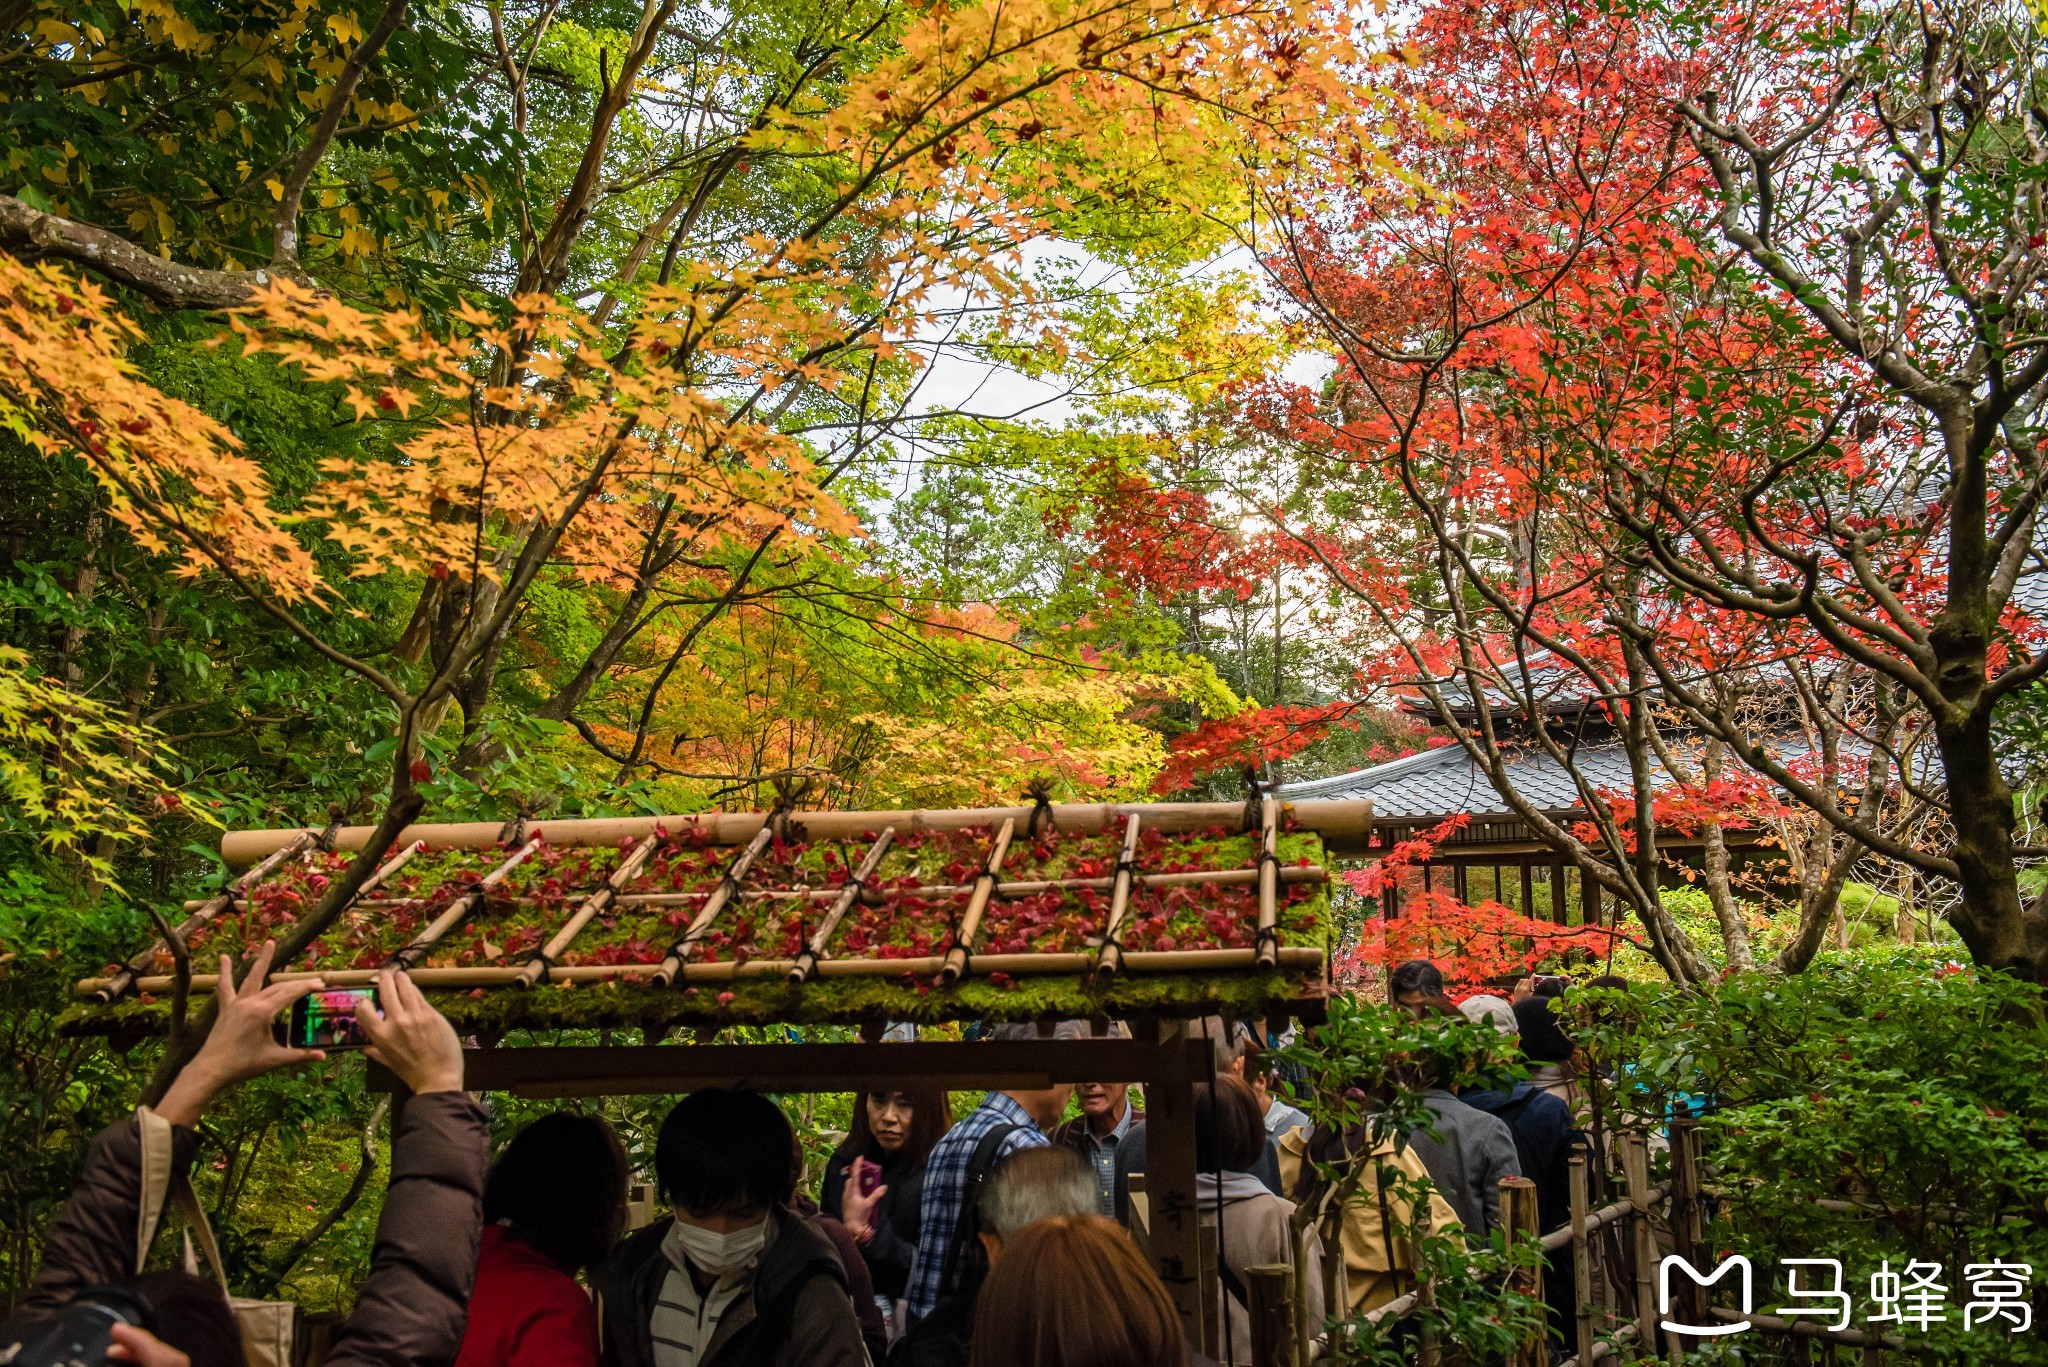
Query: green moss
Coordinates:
[829,1001]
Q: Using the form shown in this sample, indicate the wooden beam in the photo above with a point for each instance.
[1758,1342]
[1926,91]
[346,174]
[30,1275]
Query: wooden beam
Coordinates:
[851,893]
[297,843]
[621,877]
[947,1065]
[1344,823]
[1560,896]
[1528,890]
[955,965]
[728,889]
[1292,958]
[1110,957]
[1268,937]
[416,948]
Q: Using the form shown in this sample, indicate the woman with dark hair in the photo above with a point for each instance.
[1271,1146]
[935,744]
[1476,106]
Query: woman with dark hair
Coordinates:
[1073,1291]
[554,1204]
[874,1182]
[1548,1049]
[1230,1138]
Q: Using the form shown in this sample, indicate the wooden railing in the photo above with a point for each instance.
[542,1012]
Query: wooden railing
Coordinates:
[1613,1252]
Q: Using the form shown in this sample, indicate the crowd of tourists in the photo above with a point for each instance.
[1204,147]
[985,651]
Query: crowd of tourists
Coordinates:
[1001,1239]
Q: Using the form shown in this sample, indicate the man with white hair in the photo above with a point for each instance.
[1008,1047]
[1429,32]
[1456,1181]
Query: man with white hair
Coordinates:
[1028,1186]
[1493,1009]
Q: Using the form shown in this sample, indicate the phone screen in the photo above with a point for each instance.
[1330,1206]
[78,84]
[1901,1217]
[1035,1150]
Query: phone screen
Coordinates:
[327,1019]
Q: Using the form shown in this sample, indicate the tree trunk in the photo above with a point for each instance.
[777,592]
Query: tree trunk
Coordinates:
[1999,929]
[1741,957]
[1734,932]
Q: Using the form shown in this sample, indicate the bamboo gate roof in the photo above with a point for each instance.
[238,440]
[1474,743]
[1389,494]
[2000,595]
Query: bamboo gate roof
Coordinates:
[1138,910]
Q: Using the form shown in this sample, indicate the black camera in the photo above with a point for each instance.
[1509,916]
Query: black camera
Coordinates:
[79,1334]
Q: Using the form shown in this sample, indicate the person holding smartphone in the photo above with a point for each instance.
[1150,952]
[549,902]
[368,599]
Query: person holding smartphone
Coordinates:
[874,1183]
[410,1312]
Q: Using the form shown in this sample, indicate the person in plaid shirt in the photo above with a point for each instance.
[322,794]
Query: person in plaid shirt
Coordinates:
[945,1172]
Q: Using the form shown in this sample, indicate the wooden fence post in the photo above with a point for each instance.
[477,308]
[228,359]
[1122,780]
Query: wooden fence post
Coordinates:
[1582,1259]
[1427,1351]
[1687,1219]
[1207,1276]
[1518,1218]
[1271,1286]
[1635,1168]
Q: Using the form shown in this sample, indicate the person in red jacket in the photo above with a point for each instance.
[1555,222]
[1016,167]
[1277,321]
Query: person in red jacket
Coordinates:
[554,1204]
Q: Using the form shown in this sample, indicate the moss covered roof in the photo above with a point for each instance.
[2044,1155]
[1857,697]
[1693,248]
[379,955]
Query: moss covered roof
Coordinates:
[504,935]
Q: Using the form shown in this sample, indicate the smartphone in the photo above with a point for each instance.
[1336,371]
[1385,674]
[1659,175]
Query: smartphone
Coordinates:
[327,1019]
[870,1175]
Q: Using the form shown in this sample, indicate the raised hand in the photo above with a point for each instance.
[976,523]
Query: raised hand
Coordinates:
[411,1038]
[241,1044]
[857,1212]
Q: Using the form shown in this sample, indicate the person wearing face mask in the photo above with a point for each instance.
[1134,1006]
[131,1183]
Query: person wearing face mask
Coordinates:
[736,1278]
[874,1182]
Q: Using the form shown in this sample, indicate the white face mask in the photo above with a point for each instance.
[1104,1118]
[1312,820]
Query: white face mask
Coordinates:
[720,1255]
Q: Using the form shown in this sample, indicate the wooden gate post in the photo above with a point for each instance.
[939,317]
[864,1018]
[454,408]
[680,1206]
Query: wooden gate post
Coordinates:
[1172,1215]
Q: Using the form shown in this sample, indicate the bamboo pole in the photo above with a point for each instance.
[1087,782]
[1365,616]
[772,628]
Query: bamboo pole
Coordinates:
[1427,1351]
[1111,958]
[384,872]
[727,887]
[842,904]
[1687,1231]
[1344,823]
[1518,1219]
[286,851]
[1268,939]
[629,868]
[1635,1168]
[1271,1287]
[1313,873]
[1303,958]
[410,953]
[1603,1217]
[977,905]
[1582,1257]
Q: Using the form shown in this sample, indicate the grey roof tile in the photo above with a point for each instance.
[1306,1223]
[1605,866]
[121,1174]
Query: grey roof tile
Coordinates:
[1437,782]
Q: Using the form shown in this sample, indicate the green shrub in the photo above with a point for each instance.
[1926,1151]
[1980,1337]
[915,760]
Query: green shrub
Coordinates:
[1897,1081]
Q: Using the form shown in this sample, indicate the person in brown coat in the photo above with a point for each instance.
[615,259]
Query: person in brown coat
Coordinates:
[411,1309]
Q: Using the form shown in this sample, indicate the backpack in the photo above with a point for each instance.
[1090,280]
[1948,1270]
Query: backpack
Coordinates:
[965,1265]
[775,1322]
